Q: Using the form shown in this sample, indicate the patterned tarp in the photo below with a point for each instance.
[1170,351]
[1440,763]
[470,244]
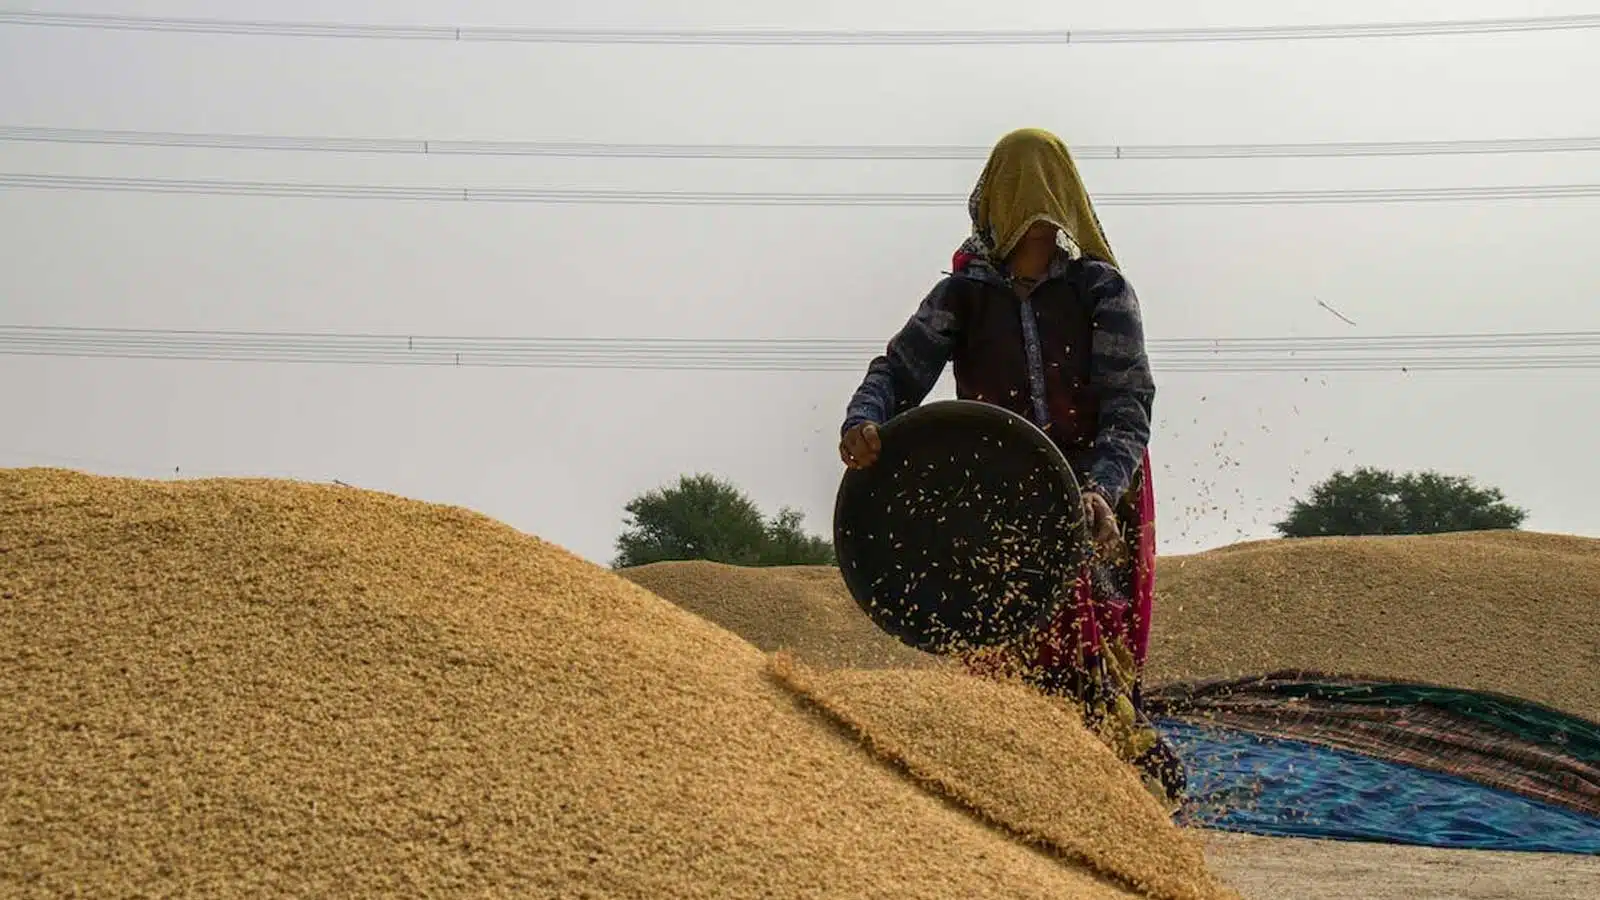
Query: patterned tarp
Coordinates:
[1493,740]
[1248,782]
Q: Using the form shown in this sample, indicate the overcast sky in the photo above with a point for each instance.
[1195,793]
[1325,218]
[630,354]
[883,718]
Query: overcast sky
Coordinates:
[557,453]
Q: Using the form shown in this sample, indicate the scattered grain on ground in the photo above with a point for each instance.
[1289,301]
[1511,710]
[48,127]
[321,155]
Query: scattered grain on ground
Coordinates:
[227,687]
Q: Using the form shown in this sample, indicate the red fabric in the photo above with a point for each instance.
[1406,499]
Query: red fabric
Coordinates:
[1144,573]
[1079,628]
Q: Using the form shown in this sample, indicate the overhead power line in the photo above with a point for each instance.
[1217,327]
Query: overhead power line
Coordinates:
[725,198]
[791,37]
[579,149]
[1468,352]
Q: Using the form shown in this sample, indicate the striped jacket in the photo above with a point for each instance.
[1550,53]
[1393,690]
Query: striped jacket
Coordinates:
[1070,358]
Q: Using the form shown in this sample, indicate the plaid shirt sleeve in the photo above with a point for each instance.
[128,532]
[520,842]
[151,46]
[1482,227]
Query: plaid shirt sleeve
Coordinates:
[1120,377]
[913,361]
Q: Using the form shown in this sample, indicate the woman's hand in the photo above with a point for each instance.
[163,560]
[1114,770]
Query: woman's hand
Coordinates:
[860,445]
[1102,520]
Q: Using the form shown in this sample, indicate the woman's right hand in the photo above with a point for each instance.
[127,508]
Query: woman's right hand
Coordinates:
[860,445]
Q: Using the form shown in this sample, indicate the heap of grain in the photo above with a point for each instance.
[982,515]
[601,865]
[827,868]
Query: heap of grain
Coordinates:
[802,609]
[1511,612]
[215,688]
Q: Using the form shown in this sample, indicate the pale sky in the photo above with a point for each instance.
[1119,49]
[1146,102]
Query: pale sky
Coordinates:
[557,453]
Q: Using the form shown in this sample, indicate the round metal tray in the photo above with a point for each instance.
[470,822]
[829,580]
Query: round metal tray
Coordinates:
[966,533]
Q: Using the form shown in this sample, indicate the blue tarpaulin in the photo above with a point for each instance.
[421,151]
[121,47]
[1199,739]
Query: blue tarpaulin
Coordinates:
[1240,781]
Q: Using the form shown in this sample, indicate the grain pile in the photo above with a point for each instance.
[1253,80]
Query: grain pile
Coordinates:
[1020,760]
[1512,612]
[216,688]
[805,610]
[1498,611]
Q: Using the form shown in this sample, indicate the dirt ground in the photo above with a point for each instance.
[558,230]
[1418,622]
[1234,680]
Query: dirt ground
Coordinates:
[1292,869]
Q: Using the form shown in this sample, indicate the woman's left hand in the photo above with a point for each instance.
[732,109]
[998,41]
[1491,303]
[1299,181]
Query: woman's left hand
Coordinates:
[1102,519]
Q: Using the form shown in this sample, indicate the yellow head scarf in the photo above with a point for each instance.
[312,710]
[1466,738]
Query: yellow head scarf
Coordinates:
[1031,176]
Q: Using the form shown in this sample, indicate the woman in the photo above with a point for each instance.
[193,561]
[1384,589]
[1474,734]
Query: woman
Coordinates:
[1037,318]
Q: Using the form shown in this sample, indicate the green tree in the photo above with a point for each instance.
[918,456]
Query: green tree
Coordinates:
[705,517]
[789,545]
[1374,501]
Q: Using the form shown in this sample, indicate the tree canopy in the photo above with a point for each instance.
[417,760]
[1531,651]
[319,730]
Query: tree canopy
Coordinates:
[707,518]
[1375,501]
